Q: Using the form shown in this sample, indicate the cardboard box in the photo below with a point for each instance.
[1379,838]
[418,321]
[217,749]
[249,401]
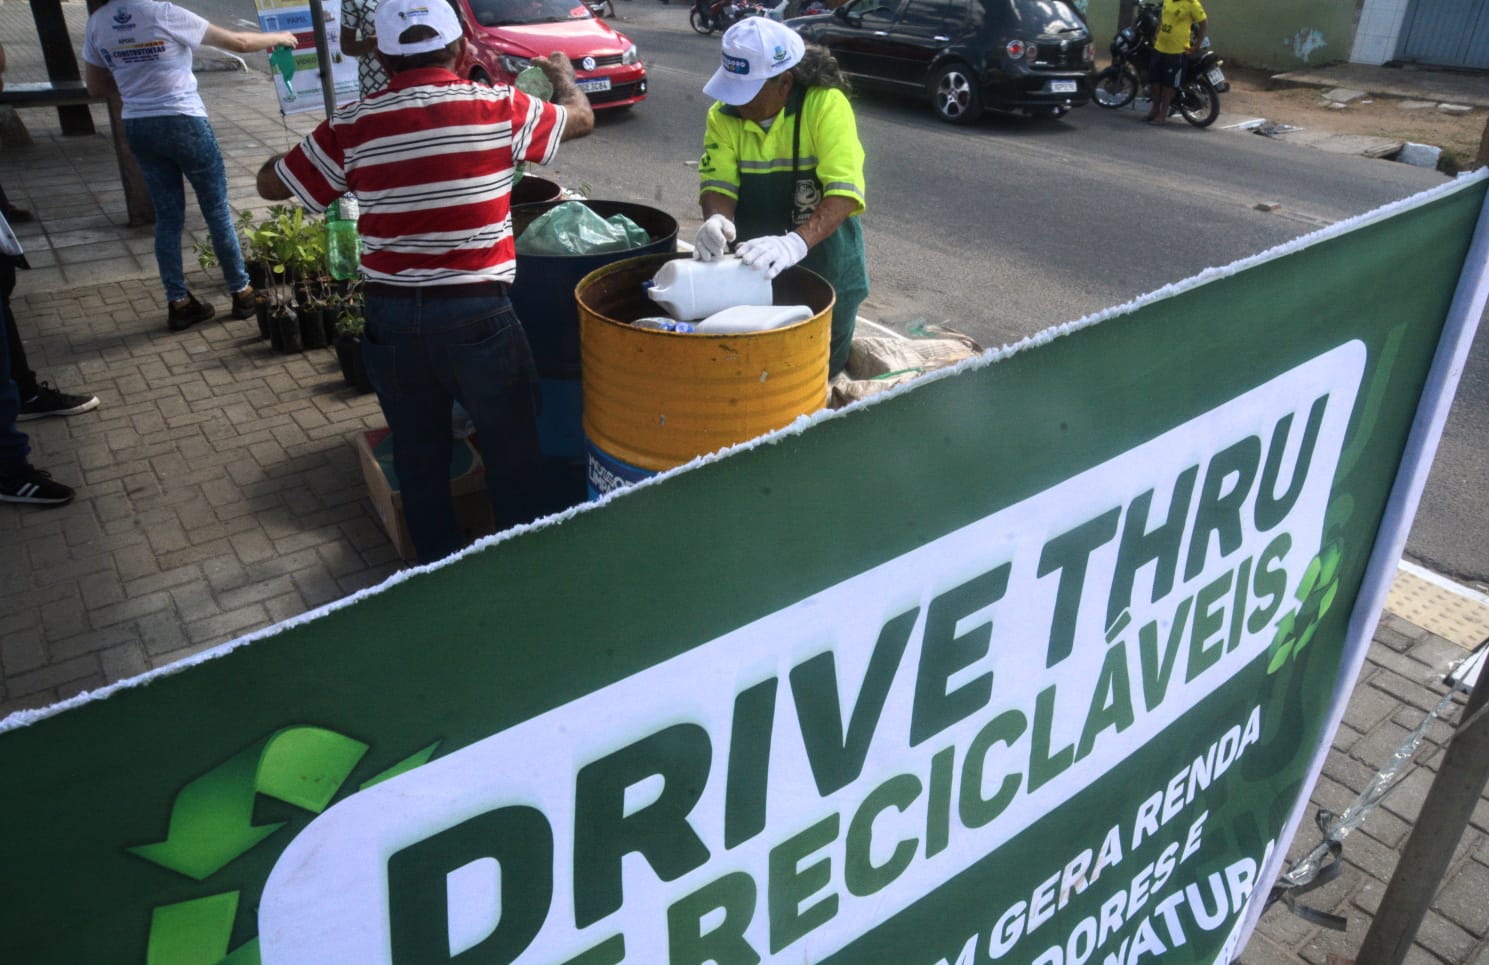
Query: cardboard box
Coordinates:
[467,486]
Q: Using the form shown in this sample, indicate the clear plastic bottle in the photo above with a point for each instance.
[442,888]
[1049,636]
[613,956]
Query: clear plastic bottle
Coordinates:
[343,245]
[533,82]
[656,324]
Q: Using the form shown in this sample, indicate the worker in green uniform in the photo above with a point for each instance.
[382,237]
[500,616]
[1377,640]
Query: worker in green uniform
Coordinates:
[782,167]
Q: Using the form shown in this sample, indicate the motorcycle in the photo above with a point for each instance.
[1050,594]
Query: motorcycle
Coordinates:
[706,16]
[1198,97]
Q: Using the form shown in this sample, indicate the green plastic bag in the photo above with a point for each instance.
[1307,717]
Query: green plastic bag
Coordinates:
[573,228]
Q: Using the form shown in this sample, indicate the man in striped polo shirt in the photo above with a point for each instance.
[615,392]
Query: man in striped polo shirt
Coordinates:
[430,159]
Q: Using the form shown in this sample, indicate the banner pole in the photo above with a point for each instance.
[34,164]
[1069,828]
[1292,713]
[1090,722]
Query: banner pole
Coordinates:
[1434,836]
[323,56]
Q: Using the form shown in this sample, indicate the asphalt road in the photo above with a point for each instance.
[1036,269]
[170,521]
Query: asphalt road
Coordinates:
[1012,225]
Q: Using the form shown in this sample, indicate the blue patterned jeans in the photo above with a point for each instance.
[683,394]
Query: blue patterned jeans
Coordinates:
[169,149]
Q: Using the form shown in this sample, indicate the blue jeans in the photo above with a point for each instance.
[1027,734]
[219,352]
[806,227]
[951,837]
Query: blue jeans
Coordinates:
[422,354]
[14,446]
[168,149]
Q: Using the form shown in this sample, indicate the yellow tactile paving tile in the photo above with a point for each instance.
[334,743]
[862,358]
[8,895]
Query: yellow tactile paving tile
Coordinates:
[1460,616]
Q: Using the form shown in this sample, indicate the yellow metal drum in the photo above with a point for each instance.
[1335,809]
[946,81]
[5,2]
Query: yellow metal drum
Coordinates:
[654,400]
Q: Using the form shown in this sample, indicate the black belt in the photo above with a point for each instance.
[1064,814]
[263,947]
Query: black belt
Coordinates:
[474,289]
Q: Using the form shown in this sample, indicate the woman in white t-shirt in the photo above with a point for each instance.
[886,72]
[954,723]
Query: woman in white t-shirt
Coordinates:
[141,50]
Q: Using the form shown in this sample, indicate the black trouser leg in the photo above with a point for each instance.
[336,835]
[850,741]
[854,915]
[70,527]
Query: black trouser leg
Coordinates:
[20,369]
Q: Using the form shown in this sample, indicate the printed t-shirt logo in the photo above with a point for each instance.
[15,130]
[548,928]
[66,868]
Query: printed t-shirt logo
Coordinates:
[736,65]
[123,17]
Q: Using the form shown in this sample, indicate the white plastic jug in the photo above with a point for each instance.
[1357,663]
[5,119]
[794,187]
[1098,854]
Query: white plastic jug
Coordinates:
[689,289]
[753,318]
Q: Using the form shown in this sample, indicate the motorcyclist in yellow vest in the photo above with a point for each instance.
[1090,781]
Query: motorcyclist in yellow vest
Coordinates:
[1175,38]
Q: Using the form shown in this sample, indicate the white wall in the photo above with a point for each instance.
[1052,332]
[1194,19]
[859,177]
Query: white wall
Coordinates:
[1379,31]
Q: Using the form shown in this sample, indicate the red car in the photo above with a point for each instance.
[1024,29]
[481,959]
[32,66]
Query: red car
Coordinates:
[503,36]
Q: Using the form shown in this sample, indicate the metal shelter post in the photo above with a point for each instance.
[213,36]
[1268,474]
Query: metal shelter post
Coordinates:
[62,64]
[323,56]
[1435,835]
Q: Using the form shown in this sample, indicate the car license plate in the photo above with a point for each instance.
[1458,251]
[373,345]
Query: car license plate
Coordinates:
[596,84]
[1216,75]
[1062,87]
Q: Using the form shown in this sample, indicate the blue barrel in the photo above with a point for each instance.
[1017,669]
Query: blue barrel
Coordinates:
[605,473]
[543,297]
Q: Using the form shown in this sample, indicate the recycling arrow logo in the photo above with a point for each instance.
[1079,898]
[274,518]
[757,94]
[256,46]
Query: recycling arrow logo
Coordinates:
[1316,593]
[211,825]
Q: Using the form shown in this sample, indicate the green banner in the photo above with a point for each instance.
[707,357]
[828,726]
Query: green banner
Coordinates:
[1029,662]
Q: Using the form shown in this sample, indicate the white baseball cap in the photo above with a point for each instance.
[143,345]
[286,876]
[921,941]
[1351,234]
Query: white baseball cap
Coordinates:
[395,16]
[755,50]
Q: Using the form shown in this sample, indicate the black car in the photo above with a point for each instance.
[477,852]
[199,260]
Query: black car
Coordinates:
[1033,56]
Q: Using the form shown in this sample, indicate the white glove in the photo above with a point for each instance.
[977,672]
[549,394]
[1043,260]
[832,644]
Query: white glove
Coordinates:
[713,238]
[773,254]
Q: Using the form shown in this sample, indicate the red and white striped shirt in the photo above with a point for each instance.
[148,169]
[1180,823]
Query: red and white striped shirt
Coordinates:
[430,159]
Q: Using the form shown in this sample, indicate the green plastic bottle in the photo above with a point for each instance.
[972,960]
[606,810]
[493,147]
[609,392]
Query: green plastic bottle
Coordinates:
[343,245]
[282,59]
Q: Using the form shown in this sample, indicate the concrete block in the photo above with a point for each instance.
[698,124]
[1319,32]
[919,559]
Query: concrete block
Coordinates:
[1405,797]
[23,650]
[1261,950]
[1375,749]
[1462,899]
[56,674]
[1392,637]
[1419,155]
[122,661]
[221,627]
[1404,666]
[1368,707]
[1361,144]
[94,642]
[162,635]
[64,618]
[1457,110]
[1401,625]
[1344,95]
[1442,938]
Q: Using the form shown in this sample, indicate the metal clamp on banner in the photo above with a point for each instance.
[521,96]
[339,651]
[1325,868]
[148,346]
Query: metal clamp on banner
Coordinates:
[1322,864]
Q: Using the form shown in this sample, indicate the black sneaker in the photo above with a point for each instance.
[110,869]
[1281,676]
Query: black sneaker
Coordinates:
[33,486]
[180,319]
[48,401]
[243,303]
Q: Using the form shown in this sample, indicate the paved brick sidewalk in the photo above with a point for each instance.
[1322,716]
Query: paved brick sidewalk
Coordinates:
[1400,683]
[217,493]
